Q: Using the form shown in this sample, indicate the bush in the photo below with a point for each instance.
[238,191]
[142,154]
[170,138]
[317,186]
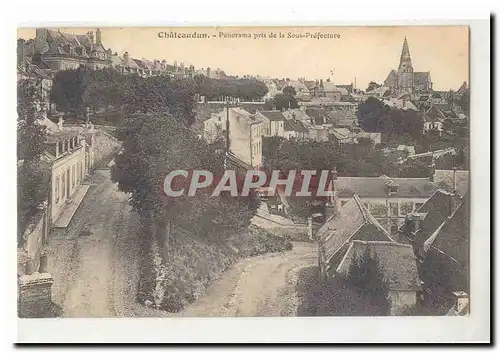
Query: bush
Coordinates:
[257,241]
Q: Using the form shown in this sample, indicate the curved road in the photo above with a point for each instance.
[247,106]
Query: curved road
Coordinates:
[96,272]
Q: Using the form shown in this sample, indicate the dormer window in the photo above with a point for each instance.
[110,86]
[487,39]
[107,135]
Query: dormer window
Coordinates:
[392,187]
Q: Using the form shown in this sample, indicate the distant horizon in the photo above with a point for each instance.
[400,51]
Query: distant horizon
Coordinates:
[359,56]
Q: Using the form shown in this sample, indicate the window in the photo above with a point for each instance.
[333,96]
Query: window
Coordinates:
[73,177]
[393,206]
[406,208]
[56,191]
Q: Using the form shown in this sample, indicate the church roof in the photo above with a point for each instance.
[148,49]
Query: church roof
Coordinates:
[420,78]
[392,78]
[462,88]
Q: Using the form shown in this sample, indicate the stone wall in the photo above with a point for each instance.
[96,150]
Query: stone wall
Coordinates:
[33,239]
[35,296]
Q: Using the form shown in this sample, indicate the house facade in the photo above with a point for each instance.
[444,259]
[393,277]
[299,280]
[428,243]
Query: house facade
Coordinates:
[274,122]
[66,151]
[245,133]
[64,51]
[352,230]
[389,200]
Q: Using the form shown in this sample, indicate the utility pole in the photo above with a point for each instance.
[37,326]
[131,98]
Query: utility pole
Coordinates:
[227,135]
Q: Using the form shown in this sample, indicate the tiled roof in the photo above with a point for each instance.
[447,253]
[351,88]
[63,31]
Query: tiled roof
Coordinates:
[453,237]
[434,114]
[376,187]
[392,78]
[132,63]
[298,114]
[352,221]
[342,133]
[59,136]
[400,104]
[139,63]
[437,209]
[444,107]
[462,88]
[116,60]
[273,115]
[294,125]
[421,77]
[310,84]
[319,115]
[397,262]
[444,179]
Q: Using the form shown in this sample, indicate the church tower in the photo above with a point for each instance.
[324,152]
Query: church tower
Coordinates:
[405,70]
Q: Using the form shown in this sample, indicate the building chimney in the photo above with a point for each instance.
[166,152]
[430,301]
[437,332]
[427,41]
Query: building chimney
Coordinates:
[91,36]
[60,123]
[98,37]
[461,300]
[125,58]
[432,170]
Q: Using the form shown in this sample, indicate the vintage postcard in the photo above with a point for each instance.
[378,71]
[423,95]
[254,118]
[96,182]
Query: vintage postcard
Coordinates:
[243,172]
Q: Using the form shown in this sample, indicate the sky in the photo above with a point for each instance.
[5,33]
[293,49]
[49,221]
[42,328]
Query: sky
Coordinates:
[351,54]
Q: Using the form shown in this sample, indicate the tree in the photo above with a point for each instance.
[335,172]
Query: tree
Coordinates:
[162,94]
[299,207]
[32,179]
[269,104]
[372,114]
[69,91]
[246,89]
[285,101]
[372,85]
[289,90]
[367,278]
[155,144]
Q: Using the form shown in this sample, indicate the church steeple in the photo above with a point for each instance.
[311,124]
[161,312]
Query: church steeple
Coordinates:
[405,64]
[405,69]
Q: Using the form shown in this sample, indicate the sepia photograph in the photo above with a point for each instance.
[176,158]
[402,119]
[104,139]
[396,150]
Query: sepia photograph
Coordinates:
[167,172]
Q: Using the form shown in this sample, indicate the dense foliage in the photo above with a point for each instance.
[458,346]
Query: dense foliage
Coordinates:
[155,144]
[366,277]
[106,89]
[375,116]
[349,160]
[246,89]
[32,179]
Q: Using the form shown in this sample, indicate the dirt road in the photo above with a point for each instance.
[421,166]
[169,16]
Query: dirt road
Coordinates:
[96,272]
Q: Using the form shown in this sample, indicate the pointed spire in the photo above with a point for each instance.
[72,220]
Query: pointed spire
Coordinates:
[405,64]
[406,50]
